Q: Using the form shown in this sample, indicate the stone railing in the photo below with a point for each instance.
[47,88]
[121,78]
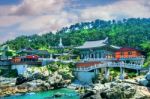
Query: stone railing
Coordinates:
[3,63]
[123,65]
[113,59]
[98,59]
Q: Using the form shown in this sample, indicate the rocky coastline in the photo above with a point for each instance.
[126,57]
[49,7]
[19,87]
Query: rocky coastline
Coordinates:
[120,89]
[116,90]
[34,83]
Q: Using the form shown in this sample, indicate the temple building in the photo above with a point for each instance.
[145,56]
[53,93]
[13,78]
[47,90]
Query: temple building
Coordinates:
[93,53]
[96,56]
[30,51]
[97,50]
[127,52]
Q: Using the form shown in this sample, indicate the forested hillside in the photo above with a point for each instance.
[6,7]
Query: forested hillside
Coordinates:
[127,32]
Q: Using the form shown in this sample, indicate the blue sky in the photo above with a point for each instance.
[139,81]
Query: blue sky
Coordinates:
[27,17]
[9,2]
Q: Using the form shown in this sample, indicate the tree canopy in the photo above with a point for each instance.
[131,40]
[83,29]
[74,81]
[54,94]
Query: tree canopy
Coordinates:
[130,32]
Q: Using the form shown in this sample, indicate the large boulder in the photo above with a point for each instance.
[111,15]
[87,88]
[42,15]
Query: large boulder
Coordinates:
[119,91]
[148,76]
[37,85]
[86,95]
[56,80]
[143,82]
[37,76]
[113,90]
[7,81]
[21,79]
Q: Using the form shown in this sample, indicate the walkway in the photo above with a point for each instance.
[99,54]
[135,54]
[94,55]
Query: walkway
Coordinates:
[110,64]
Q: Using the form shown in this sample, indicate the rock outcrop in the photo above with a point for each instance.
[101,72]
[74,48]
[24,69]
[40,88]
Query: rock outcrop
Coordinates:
[35,82]
[115,90]
[119,91]
[145,81]
[22,79]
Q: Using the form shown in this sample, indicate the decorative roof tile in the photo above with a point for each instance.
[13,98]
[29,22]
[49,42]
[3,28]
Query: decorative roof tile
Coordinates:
[127,49]
[92,44]
[96,44]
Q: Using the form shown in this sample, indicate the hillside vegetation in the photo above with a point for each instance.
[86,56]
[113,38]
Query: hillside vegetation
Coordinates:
[132,32]
[128,32]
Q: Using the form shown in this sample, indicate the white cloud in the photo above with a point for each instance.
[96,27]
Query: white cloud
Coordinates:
[6,21]
[39,16]
[126,8]
[48,22]
[33,7]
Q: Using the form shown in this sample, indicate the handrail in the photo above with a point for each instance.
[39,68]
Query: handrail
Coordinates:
[110,59]
[124,65]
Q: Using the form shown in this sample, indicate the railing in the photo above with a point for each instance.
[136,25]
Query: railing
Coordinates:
[3,63]
[123,65]
[98,59]
[41,59]
[113,59]
[27,62]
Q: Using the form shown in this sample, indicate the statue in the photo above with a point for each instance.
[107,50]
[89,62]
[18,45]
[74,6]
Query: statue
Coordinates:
[60,43]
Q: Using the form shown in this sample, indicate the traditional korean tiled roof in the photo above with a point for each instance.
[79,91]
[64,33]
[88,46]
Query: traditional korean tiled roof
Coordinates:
[95,44]
[116,47]
[92,44]
[42,52]
[32,56]
[127,49]
[86,64]
[34,51]
[4,48]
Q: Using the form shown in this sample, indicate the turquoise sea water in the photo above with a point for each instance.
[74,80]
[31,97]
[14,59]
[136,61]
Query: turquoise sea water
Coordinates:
[67,94]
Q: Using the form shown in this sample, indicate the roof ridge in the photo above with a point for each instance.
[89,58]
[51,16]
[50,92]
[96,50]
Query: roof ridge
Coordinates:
[95,41]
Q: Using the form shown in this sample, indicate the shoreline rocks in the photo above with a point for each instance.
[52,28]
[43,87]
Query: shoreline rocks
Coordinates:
[145,81]
[116,90]
[35,82]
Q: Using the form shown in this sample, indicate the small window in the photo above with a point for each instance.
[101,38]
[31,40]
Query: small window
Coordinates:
[129,53]
[92,55]
[122,53]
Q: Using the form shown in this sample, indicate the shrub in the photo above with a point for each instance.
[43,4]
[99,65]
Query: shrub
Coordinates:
[132,74]
[2,71]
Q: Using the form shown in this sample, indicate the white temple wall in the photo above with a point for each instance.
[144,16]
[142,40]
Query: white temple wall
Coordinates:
[21,69]
[85,77]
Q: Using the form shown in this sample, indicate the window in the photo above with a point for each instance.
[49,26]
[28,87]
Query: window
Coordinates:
[122,54]
[92,55]
[129,53]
